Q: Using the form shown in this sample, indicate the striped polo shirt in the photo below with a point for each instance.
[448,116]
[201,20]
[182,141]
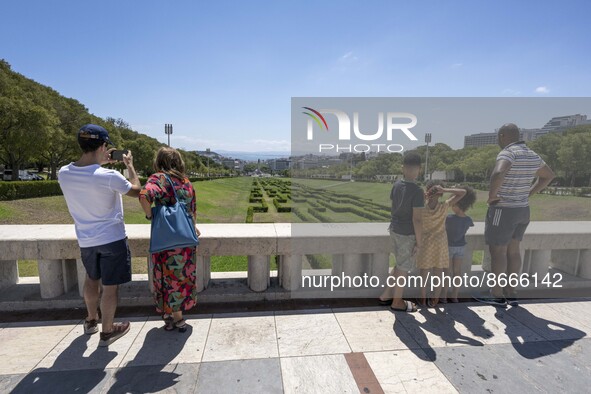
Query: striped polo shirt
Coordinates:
[514,191]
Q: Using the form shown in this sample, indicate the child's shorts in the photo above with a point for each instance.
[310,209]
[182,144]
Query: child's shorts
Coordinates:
[402,246]
[456,252]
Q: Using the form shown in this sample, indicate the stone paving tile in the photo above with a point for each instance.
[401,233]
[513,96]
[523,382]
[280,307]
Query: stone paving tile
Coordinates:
[240,376]
[373,331]
[155,346]
[310,334]
[547,366]
[489,325]
[170,378]
[57,382]
[408,371]
[317,374]
[237,338]
[578,311]
[549,322]
[80,351]
[23,345]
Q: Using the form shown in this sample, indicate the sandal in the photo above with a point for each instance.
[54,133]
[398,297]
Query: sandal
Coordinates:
[168,323]
[181,325]
[410,307]
[385,302]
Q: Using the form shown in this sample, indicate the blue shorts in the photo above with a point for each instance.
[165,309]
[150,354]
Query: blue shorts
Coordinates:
[111,262]
[455,252]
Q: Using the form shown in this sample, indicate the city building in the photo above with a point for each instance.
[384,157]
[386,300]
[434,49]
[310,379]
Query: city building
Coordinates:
[480,139]
[279,164]
[558,124]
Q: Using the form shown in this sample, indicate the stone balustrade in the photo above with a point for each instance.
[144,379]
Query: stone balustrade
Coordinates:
[357,248]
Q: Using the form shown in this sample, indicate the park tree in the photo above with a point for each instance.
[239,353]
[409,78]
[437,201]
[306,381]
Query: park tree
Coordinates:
[480,162]
[25,128]
[574,155]
[547,147]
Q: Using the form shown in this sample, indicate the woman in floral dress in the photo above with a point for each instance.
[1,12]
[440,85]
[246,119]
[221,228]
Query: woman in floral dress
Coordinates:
[173,270]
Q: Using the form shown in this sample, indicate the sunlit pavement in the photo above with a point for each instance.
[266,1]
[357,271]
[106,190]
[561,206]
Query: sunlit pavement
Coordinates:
[538,346]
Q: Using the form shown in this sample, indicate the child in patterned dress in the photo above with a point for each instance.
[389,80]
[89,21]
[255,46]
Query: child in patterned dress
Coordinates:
[433,257]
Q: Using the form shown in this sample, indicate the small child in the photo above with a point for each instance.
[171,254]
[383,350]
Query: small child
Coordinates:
[433,258]
[456,226]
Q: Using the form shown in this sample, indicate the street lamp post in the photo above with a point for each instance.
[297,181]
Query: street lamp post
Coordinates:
[168,131]
[427,140]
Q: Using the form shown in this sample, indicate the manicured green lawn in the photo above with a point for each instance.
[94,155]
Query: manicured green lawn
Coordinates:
[226,201]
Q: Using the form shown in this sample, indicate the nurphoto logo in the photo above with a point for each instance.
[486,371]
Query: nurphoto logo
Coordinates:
[392,123]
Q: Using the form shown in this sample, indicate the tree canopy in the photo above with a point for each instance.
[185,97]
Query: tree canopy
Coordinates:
[38,127]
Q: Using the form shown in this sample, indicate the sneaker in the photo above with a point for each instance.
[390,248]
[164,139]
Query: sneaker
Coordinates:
[90,326]
[500,302]
[119,329]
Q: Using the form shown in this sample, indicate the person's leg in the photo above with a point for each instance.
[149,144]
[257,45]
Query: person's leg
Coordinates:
[92,293]
[397,301]
[437,289]
[388,291]
[425,273]
[513,264]
[446,290]
[115,263]
[109,306]
[498,254]
[457,272]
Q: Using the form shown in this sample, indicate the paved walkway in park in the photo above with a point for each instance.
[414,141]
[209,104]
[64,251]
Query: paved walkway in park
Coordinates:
[538,346]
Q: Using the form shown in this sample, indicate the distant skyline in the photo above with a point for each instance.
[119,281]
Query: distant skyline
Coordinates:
[223,73]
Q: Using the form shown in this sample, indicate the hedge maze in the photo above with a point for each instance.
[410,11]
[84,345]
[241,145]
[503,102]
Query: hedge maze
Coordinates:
[273,196]
[263,190]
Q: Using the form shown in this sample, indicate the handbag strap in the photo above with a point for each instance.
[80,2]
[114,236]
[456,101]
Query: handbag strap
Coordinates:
[172,185]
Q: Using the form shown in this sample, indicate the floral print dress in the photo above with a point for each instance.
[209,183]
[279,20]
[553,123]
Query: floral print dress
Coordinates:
[173,270]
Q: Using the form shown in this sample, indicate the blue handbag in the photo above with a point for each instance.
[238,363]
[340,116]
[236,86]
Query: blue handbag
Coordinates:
[172,226]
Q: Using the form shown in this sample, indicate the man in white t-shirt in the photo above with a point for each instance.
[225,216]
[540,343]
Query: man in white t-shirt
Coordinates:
[93,195]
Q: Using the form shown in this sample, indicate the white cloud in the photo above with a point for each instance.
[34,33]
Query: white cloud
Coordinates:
[542,90]
[456,65]
[348,57]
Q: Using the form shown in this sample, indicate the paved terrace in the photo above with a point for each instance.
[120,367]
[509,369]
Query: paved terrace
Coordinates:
[538,346]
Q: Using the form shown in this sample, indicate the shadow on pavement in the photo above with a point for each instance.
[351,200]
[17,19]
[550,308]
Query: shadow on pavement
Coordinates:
[140,375]
[61,378]
[560,335]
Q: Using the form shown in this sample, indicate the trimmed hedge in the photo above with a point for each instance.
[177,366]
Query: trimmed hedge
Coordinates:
[279,207]
[15,190]
[568,191]
[249,215]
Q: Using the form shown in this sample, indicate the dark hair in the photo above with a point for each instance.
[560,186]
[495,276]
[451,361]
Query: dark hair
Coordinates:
[468,200]
[411,159]
[433,182]
[88,145]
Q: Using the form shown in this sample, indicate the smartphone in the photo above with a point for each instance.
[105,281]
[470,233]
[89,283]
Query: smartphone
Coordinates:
[118,154]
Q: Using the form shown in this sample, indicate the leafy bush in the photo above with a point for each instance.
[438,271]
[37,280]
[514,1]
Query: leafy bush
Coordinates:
[15,190]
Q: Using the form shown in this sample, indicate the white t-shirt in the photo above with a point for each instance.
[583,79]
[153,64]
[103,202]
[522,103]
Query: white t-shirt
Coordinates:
[93,195]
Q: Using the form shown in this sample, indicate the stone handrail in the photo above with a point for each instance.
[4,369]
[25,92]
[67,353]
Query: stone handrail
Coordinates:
[356,248]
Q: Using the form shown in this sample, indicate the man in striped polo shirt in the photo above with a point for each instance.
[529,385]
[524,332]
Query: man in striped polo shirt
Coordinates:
[511,184]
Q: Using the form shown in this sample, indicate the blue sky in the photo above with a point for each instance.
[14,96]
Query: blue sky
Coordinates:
[224,72]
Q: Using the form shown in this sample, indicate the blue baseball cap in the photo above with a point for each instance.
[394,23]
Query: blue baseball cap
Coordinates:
[95,132]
